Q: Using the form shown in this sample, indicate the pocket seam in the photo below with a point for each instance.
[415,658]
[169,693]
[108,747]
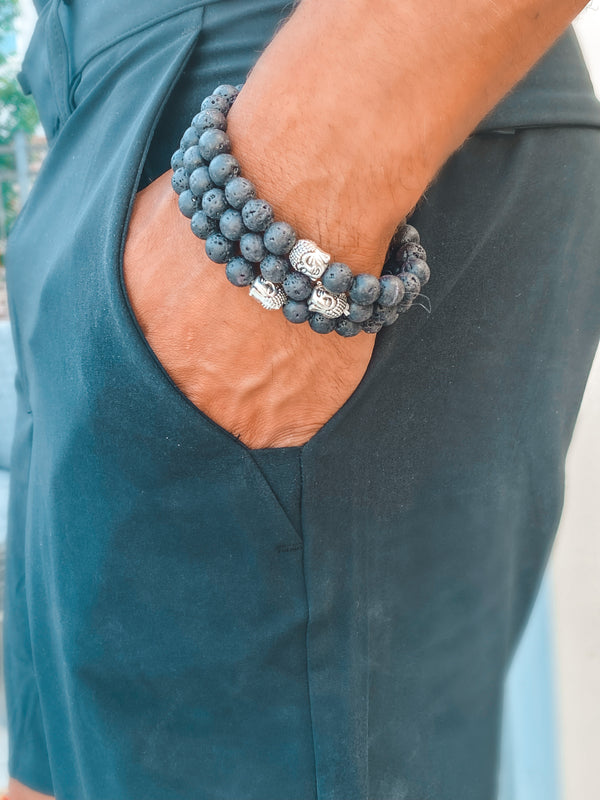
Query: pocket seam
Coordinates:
[119,267]
[107,45]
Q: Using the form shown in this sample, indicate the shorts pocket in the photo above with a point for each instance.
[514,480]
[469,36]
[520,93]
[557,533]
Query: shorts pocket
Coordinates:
[172,114]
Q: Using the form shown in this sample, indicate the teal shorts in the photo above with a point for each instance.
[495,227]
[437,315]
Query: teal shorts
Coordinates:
[190,619]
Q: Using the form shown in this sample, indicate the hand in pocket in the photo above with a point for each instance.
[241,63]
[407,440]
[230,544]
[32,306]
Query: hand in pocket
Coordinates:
[260,377]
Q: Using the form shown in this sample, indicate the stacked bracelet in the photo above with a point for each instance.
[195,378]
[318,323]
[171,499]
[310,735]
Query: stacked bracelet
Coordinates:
[282,271]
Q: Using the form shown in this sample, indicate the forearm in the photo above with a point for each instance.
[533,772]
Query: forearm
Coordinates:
[355,105]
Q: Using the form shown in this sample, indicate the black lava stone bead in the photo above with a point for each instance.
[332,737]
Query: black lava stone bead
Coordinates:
[296,311]
[238,191]
[215,101]
[200,181]
[358,313]
[365,289]
[392,290]
[227,91]
[410,249]
[297,286]
[177,160]
[371,326]
[219,248]
[412,285]
[209,118]
[239,271]
[212,142]
[345,327]
[321,324]
[223,167]
[188,203]
[232,225]
[337,277]
[391,319]
[189,138]
[192,158]
[252,246]
[180,181]
[273,268]
[419,268]
[279,238]
[203,226]
[405,234]
[385,314]
[257,214]
[214,203]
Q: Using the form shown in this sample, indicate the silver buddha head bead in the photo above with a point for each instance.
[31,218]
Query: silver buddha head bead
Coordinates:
[327,303]
[307,257]
[269,294]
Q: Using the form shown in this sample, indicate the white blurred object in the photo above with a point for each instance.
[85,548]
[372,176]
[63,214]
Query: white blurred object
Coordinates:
[24,25]
[587,27]
[575,568]
[575,561]
[530,763]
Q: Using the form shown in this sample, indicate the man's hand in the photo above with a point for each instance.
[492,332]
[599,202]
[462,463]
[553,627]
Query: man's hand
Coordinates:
[264,379]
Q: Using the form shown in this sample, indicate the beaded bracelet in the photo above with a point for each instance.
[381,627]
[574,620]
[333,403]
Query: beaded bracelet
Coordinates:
[281,270]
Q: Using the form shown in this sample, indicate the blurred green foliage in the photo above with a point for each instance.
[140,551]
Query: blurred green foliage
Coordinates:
[17,112]
[8,12]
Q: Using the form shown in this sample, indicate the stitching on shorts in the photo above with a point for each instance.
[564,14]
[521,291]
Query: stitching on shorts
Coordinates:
[285,548]
[143,26]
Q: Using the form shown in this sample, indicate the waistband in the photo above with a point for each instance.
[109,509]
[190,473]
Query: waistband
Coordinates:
[556,91]
[71,33]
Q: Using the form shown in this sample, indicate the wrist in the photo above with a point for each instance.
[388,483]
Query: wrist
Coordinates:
[321,201]
[325,153]
[304,286]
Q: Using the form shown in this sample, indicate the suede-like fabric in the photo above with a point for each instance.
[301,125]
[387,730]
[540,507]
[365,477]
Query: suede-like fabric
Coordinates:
[186,618]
